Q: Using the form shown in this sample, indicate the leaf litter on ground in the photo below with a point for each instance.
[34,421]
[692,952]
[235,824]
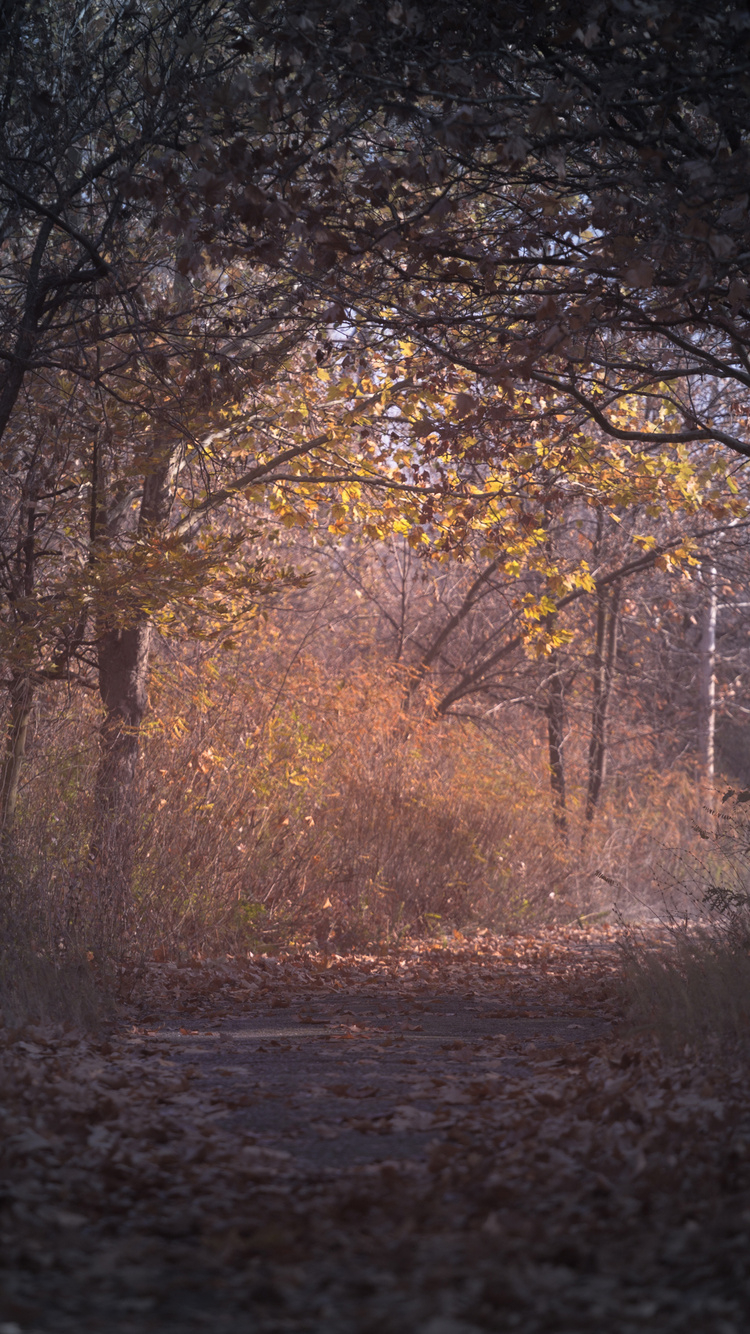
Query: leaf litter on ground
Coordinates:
[440,1139]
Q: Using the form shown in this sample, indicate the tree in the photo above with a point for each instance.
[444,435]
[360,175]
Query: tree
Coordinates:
[529,600]
[189,193]
[135,330]
[90,100]
[707,688]
[554,198]
[542,195]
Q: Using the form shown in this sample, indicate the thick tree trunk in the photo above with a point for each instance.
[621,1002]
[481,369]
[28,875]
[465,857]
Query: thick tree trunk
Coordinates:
[21,703]
[605,650]
[707,694]
[123,660]
[123,684]
[556,742]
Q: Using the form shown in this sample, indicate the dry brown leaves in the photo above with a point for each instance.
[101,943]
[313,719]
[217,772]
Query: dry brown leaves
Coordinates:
[437,1150]
[561,967]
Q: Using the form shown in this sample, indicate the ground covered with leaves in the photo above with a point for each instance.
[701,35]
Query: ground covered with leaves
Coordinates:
[447,1139]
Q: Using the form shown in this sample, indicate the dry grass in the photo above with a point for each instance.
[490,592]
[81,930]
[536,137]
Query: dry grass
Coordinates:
[692,987]
[60,940]
[690,981]
[254,824]
[35,989]
[48,971]
[285,803]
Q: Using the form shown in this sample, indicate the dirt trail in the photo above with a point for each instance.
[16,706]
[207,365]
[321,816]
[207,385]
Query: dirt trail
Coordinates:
[449,1141]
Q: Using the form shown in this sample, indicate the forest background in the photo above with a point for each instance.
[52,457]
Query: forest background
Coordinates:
[373,416]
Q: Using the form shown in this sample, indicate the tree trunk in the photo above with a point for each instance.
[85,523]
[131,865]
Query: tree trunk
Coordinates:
[123,683]
[21,688]
[556,741]
[607,612]
[21,702]
[707,694]
[123,660]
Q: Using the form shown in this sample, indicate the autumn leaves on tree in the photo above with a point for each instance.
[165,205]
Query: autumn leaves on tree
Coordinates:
[474,279]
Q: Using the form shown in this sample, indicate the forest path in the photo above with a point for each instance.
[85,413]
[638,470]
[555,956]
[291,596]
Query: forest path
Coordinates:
[353,1061]
[446,1141]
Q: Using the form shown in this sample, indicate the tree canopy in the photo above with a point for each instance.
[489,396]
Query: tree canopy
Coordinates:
[443,270]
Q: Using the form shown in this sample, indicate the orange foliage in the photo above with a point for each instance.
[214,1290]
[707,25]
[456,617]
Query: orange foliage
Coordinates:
[285,796]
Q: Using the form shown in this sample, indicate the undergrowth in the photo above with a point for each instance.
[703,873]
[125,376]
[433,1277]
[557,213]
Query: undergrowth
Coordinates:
[691,983]
[49,972]
[314,814]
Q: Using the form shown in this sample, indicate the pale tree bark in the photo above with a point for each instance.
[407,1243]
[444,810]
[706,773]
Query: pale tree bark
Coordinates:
[605,652]
[707,694]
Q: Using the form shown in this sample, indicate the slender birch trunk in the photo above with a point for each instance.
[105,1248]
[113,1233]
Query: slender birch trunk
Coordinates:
[707,694]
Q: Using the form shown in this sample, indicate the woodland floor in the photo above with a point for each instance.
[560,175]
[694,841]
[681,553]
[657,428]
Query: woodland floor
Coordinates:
[445,1141]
